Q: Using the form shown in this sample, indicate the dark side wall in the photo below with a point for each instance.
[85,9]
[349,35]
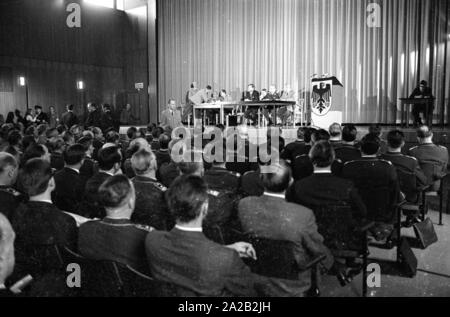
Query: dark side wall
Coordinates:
[35,42]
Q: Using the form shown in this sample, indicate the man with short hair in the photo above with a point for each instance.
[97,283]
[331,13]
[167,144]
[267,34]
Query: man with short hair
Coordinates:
[186,258]
[374,177]
[9,197]
[347,150]
[115,237]
[335,131]
[272,217]
[126,116]
[202,96]
[171,117]
[296,148]
[428,152]
[163,154]
[109,161]
[69,119]
[69,183]
[191,163]
[151,208]
[90,166]
[323,188]
[94,116]
[41,117]
[39,221]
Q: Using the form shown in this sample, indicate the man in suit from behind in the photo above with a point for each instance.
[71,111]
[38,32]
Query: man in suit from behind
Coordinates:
[109,160]
[272,217]
[151,207]
[405,164]
[69,182]
[171,117]
[69,119]
[39,221]
[346,151]
[186,258]
[94,118]
[428,152]
[116,237]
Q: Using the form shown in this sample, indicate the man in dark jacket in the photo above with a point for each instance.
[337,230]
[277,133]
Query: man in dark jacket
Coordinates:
[94,116]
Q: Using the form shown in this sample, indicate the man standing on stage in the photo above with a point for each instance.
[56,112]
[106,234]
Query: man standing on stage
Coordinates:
[286,95]
[202,96]
[251,95]
[171,117]
[423,91]
[189,104]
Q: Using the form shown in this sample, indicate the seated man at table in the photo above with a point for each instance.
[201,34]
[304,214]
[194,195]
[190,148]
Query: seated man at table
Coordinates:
[423,91]
[251,95]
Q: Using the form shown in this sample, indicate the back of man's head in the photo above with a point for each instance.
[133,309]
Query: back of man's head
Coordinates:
[370,144]
[349,133]
[322,154]
[395,139]
[308,132]
[278,180]
[8,167]
[112,137]
[375,129]
[187,198]
[86,142]
[143,161]
[191,163]
[117,192]
[424,133]
[164,141]
[74,155]
[35,176]
[320,135]
[335,130]
[131,133]
[300,134]
[108,158]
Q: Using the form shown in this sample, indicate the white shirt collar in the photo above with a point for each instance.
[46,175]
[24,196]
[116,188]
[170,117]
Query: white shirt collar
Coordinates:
[73,169]
[322,172]
[105,172]
[43,201]
[282,196]
[188,229]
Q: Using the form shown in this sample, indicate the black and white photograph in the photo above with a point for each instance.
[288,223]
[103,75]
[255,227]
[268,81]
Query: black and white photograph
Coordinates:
[219,155]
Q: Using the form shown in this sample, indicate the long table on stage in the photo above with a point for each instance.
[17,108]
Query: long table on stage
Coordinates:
[222,106]
[415,101]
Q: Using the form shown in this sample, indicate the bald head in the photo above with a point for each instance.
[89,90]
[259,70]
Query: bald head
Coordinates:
[424,134]
[279,178]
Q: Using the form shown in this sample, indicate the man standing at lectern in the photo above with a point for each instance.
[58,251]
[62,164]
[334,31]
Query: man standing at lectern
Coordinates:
[423,91]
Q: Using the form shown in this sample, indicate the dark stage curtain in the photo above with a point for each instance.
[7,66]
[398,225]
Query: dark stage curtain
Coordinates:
[230,43]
